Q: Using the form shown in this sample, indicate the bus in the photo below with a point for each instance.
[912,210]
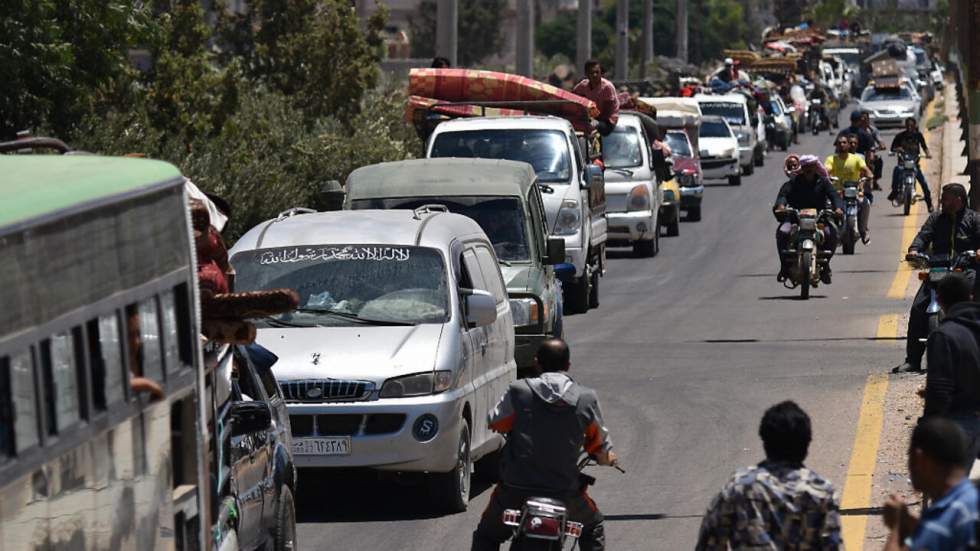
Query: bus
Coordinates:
[103,431]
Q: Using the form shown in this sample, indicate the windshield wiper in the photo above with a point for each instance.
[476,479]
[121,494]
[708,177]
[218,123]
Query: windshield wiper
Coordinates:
[355,317]
[283,323]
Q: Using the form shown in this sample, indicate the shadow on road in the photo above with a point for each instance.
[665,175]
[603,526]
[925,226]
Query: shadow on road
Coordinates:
[790,297]
[645,516]
[353,496]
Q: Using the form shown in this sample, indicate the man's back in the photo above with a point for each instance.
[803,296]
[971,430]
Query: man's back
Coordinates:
[778,506]
[953,378]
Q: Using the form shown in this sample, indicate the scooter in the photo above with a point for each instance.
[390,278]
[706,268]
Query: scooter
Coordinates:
[933,270]
[542,524]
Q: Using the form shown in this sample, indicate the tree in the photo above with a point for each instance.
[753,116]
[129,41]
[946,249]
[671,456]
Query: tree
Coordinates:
[313,51]
[65,59]
[479,27]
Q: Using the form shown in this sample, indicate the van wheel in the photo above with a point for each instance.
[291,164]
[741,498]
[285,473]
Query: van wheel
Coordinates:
[577,294]
[694,214]
[749,169]
[643,249]
[594,288]
[760,159]
[285,521]
[674,227]
[735,180]
[451,491]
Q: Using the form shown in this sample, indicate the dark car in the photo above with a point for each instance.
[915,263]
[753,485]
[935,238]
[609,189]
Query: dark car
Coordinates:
[258,478]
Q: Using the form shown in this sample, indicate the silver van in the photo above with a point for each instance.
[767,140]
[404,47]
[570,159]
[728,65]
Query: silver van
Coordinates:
[402,342]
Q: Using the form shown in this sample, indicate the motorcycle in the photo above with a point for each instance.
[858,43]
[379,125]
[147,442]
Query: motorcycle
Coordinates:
[815,116]
[804,258]
[542,524]
[933,270]
[853,195]
[907,164]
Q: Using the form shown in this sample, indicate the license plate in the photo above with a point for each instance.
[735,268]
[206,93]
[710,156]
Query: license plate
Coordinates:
[334,445]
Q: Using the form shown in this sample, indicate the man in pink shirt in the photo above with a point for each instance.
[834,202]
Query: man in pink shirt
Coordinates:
[603,93]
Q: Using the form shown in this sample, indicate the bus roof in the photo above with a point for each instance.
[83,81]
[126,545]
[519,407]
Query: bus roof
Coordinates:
[37,186]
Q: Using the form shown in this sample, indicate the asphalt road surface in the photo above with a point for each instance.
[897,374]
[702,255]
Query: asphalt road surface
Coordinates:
[686,351]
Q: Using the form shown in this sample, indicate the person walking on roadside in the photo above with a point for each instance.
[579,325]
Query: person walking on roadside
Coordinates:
[548,420]
[779,503]
[952,230]
[953,380]
[936,469]
[603,93]
[911,141]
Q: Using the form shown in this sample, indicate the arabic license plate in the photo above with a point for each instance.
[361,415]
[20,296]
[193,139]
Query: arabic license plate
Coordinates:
[334,445]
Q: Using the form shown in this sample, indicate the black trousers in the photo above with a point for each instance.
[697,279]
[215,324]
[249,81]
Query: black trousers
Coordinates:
[919,321]
[492,531]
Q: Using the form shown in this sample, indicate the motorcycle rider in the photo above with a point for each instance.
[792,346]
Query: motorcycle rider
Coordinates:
[849,167]
[910,141]
[821,94]
[809,188]
[865,140]
[952,230]
[548,421]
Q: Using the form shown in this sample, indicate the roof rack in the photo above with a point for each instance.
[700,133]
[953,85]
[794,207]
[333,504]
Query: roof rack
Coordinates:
[289,213]
[429,208]
[28,144]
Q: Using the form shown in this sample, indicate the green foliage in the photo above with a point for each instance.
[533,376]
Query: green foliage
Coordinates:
[64,59]
[310,50]
[719,24]
[479,29]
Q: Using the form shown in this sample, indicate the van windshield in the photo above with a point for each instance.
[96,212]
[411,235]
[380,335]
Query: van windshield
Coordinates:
[733,112]
[501,218]
[714,129]
[679,146]
[340,284]
[621,148]
[545,150]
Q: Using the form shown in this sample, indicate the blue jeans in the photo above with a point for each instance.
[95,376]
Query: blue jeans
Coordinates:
[896,185]
[970,423]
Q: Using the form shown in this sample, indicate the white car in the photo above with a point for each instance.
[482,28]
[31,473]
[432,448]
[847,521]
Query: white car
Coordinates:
[890,106]
[719,150]
[734,109]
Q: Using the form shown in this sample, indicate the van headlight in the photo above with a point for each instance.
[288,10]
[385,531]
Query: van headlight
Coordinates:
[639,198]
[743,138]
[418,384]
[526,312]
[569,219]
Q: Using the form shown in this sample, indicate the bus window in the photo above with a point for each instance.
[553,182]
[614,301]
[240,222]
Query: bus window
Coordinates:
[6,413]
[23,403]
[105,359]
[177,342]
[143,340]
[60,382]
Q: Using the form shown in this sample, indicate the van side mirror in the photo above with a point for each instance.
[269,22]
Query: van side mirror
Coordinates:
[481,307]
[593,175]
[250,417]
[556,251]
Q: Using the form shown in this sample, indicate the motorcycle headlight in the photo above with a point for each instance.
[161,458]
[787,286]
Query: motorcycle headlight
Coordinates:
[569,219]
[419,384]
[526,312]
[639,199]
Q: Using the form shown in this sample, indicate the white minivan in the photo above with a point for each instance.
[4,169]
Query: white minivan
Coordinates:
[734,108]
[401,345]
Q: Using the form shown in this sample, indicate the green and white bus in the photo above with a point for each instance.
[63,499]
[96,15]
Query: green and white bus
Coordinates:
[103,432]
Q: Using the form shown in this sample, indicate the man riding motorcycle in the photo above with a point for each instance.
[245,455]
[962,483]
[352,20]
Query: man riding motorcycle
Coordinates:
[548,421]
[849,167]
[910,141]
[820,93]
[809,188]
[952,230]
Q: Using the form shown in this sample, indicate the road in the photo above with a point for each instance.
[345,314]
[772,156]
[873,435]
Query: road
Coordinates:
[686,351]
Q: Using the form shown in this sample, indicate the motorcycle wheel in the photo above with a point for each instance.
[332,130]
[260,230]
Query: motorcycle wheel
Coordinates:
[850,236]
[907,202]
[933,322]
[806,260]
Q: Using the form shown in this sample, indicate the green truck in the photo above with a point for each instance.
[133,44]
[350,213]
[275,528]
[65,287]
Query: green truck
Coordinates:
[504,197]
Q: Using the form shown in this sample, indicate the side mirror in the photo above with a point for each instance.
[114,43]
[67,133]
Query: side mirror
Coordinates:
[556,251]
[250,417]
[481,307]
[593,175]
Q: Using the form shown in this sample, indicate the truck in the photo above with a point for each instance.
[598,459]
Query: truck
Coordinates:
[573,188]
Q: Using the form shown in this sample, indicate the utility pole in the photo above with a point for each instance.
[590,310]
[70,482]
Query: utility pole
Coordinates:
[622,39]
[646,55]
[525,37]
[681,30]
[447,31]
[583,42]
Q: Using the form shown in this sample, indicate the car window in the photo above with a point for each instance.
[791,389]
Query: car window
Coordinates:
[473,269]
[733,112]
[60,382]
[621,148]
[678,144]
[244,382]
[269,383]
[545,150]
[491,273]
[22,400]
[715,129]
[536,204]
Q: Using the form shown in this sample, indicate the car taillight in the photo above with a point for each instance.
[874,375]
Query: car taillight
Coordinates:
[546,528]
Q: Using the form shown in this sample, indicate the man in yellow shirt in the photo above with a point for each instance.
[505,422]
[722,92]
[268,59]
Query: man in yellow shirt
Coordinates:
[845,166]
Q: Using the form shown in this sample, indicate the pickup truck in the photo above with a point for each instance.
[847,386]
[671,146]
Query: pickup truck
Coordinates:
[573,189]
